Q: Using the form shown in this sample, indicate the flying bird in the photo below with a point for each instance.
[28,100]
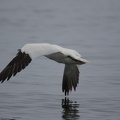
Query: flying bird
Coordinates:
[71,58]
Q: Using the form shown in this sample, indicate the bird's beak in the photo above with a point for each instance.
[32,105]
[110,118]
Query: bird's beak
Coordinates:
[85,61]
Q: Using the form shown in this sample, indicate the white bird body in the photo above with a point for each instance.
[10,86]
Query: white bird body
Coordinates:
[29,52]
[36,50]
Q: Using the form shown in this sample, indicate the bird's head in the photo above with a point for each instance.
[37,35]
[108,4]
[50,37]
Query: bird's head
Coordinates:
[75,57]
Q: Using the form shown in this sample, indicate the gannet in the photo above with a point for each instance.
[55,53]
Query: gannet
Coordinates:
[71,58]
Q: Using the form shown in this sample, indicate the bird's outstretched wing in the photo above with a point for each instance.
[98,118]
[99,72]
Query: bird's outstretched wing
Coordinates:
[70,78]
[24,56]
[16,65]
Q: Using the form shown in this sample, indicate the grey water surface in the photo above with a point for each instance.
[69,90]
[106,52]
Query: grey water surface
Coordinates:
[91,27]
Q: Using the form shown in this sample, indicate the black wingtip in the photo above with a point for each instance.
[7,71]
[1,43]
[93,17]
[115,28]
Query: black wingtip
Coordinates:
[70,79]
[19,62]
[66,87]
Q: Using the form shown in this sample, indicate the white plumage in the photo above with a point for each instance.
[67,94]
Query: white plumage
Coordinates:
[28,52]
[38,49]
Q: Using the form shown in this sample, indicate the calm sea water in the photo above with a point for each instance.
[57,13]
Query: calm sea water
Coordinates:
[90,27]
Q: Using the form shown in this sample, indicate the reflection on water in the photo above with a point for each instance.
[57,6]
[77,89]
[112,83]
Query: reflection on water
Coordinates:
[70,109]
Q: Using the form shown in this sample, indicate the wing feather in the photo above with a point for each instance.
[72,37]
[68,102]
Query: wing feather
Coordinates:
[27,53]
[70,78]
[19,62]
